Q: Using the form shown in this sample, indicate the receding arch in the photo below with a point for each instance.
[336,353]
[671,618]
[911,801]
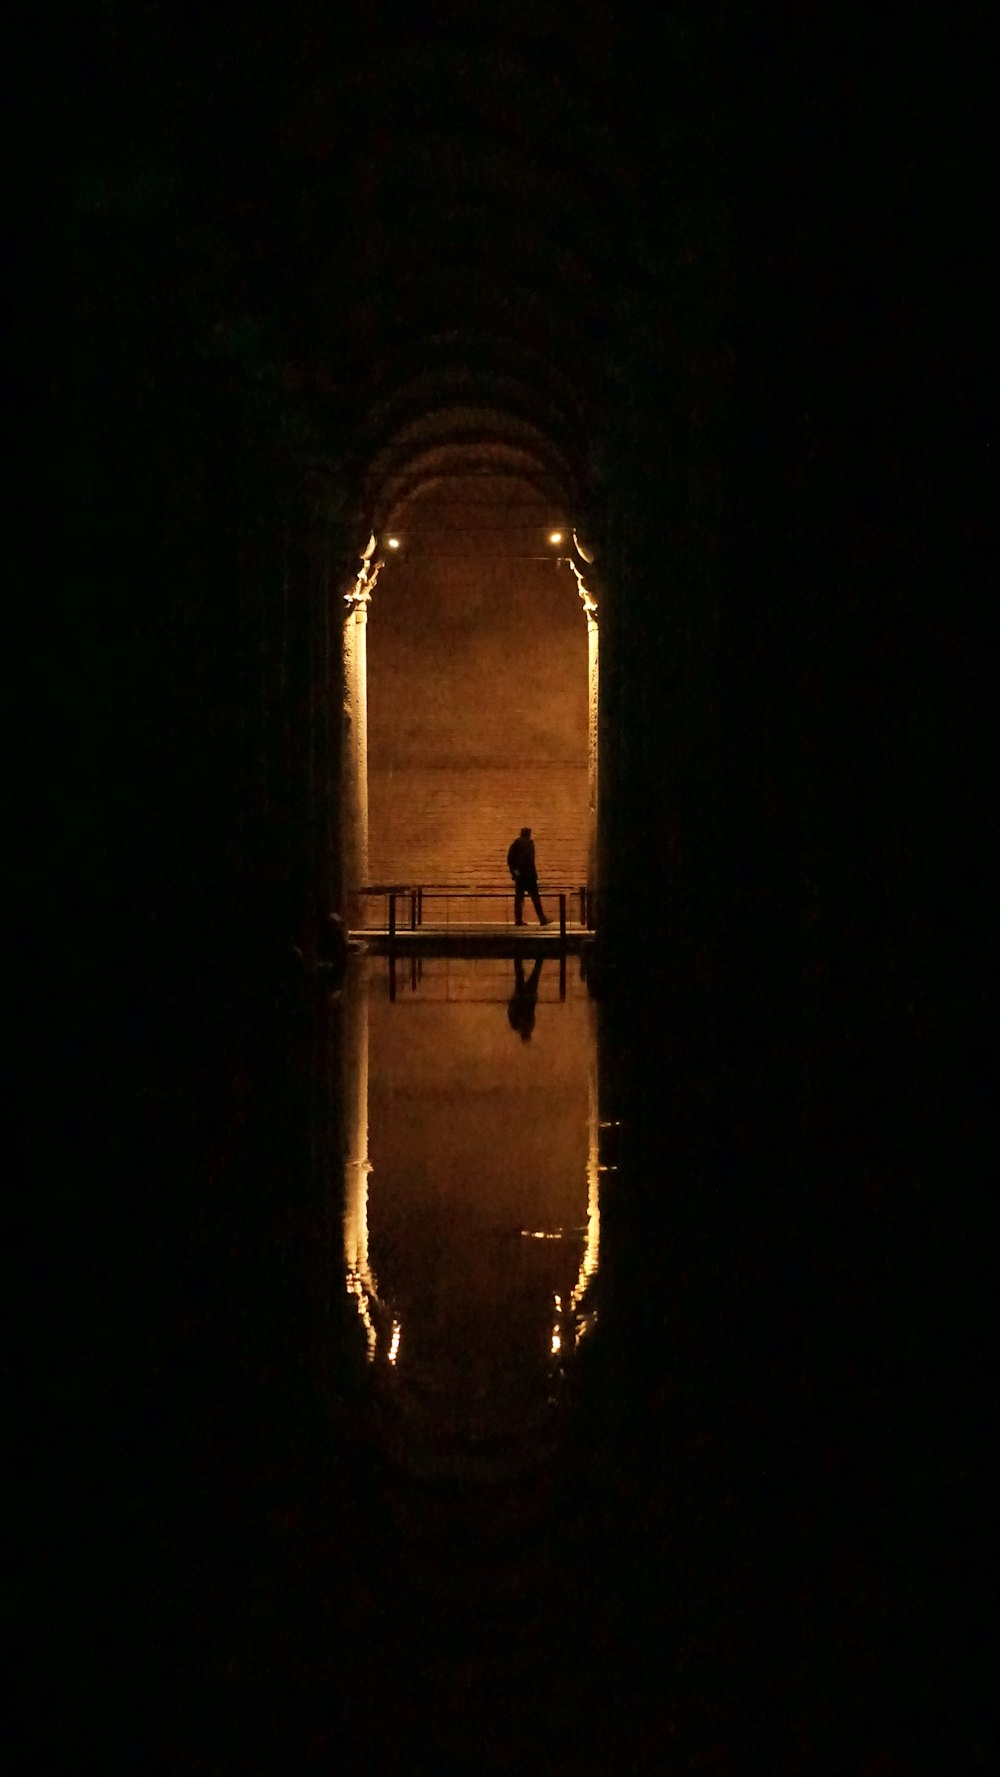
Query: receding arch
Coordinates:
[471,675]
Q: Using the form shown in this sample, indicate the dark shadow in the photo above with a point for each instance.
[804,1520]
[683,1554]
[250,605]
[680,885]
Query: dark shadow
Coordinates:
[332,951]
[521,1006]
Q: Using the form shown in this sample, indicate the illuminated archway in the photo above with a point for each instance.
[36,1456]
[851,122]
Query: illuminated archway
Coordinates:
[483,500]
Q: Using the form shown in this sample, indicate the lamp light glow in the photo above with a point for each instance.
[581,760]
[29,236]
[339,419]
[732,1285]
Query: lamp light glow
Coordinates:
[555,536]
[393,542]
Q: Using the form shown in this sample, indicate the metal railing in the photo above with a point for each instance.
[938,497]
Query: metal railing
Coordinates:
[405,903]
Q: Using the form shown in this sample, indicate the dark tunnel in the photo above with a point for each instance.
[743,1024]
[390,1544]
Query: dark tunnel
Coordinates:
[572,418]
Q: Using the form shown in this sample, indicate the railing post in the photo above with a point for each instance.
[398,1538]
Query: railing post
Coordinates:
[562,917]
[413,910]
[392,914]
[420,906]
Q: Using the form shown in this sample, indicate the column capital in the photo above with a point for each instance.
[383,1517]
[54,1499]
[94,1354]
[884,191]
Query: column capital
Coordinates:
[587,598]
[358,598]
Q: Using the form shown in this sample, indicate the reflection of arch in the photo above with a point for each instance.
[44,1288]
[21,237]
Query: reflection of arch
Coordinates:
[573,1318]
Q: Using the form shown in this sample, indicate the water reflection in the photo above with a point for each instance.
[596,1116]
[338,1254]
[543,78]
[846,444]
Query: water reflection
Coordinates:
[521,1006]
[472,1201]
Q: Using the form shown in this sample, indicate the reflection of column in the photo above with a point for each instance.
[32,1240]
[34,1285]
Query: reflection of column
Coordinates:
[592,1249]
[357,1166]
[359,1277]
[579,1314]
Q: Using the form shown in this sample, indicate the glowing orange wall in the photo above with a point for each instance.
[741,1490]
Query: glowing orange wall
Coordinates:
[477,699]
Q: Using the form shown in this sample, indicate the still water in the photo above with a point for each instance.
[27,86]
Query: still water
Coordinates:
[476,1150]
[518,1400]
[472,1220]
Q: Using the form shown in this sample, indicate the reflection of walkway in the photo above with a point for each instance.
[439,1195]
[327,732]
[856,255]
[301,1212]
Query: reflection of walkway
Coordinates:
[521,1006]
[466,979]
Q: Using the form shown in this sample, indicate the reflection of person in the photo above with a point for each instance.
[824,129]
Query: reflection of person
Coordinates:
[521,1006]
[521,864]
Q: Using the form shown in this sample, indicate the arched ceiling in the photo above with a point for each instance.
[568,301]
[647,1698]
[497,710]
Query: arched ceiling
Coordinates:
[409,215]
[492,207]
[459,441]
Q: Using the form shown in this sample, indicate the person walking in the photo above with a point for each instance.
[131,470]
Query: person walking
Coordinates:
[521,864]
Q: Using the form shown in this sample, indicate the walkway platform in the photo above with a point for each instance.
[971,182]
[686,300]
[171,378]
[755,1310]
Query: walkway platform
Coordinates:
[410,927]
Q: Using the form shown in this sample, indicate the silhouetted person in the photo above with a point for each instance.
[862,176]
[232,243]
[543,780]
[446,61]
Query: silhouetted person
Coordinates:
[521,864]
[521,1005]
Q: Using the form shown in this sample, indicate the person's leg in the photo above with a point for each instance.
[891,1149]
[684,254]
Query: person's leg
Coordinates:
[536,902]
[519,903]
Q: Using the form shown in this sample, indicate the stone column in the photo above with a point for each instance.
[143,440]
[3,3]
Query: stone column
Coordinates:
[589,604]
[354,859]
[593,672]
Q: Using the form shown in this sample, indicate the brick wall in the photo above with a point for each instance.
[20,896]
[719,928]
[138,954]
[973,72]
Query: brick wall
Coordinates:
[477,707]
